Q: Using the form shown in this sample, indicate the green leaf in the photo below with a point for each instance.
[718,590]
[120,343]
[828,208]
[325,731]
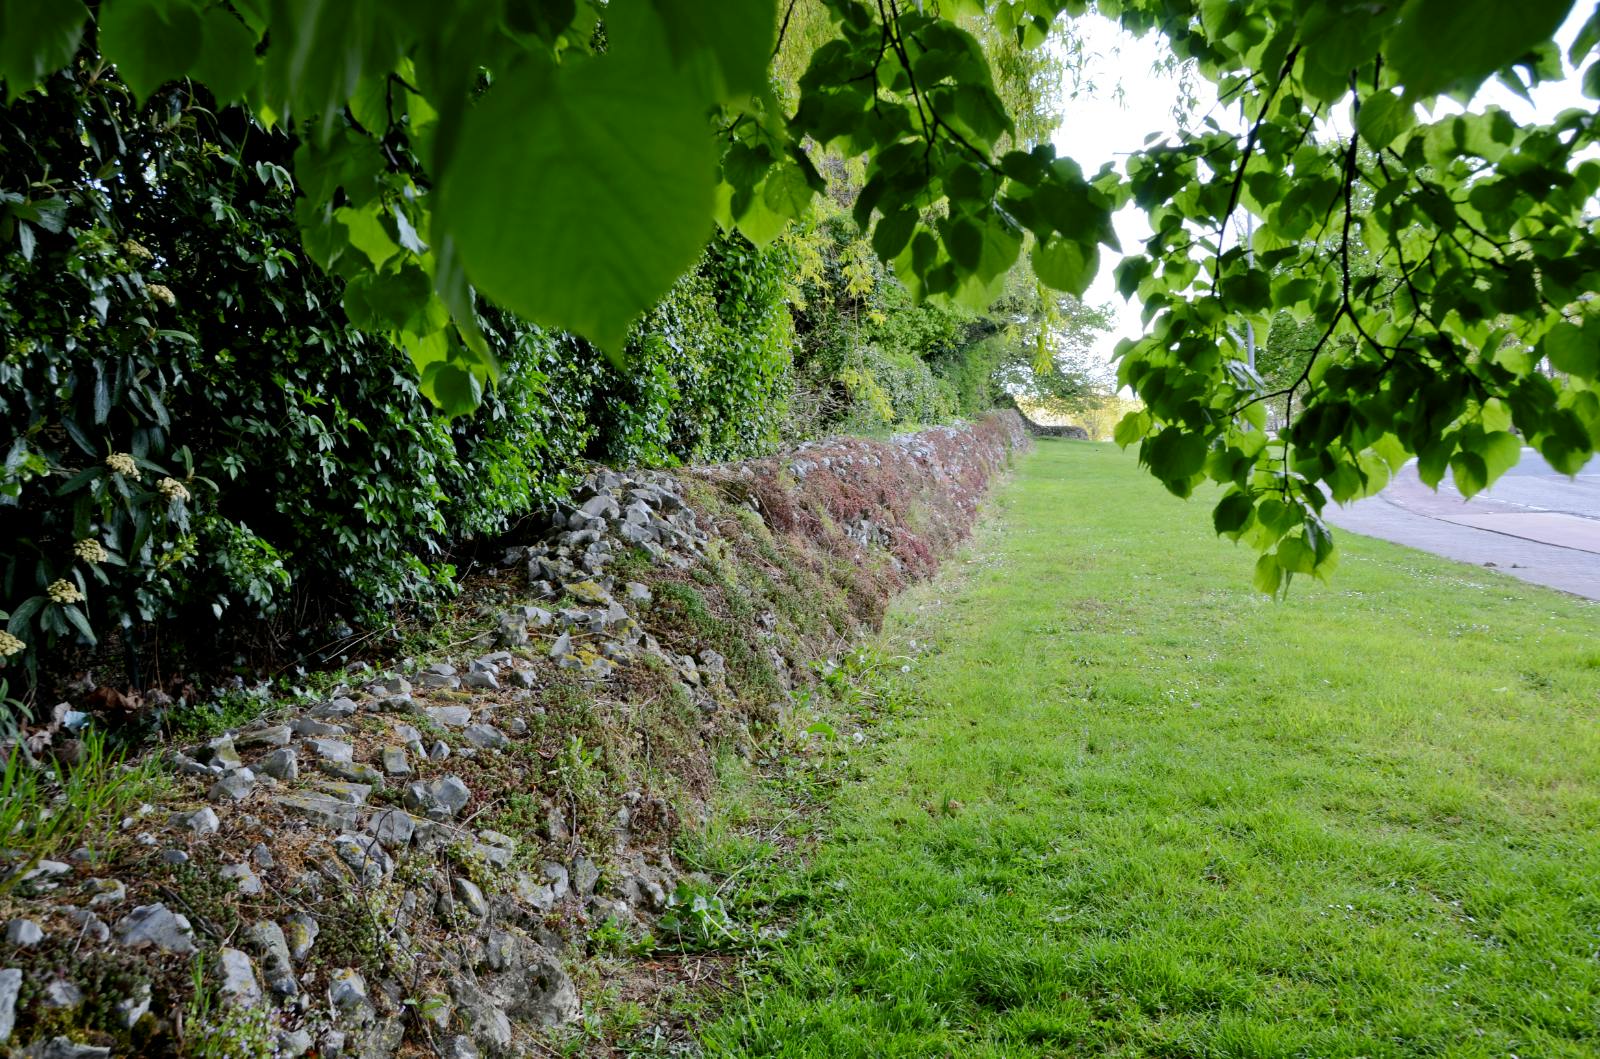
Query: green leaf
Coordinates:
[1382,118]
[320,51]
[724,47]
[23,613]
[1500,451]
[1295,557]
[783,196]
[227,60]
[450,283]
[547,18]
[367,233]
[150,43]
[1130,428]
[611,175]
[392,301]
[1442,44]
[1002,243]
[1175,454]
[786,191]
[1572,351]
[1233,513]
[1470,473]
[1066,264]
[37,37]
[892,233]
[1335,44]
[1268,575]
[79,622]
[453,388]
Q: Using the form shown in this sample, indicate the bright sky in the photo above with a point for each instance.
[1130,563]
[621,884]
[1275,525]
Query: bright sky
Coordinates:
[1099,127]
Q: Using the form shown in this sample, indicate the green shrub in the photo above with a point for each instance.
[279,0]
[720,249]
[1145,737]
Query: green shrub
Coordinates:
[193,425]
[195,433]
[707,369]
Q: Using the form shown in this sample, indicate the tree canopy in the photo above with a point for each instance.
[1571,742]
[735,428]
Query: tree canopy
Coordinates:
[569,159]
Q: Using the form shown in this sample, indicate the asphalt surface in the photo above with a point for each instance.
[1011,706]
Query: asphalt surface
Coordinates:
[1534,523]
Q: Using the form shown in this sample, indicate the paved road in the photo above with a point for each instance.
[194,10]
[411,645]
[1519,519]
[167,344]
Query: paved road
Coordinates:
[1534,523]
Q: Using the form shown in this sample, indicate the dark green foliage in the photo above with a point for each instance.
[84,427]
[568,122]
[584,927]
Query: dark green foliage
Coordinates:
[167,313]
[156,304]
[870,356]
[707,369]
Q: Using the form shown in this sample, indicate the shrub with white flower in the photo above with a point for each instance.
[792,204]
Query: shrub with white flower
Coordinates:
[137,251]
[90,551]
[122,463]
[172,489]
[64,591]
[10,645]
[161,293]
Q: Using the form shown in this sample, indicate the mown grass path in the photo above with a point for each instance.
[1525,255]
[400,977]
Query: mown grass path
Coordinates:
[1146,812]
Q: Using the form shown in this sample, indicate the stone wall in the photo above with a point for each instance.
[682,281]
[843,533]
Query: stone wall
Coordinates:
[1050,430]
[417,857]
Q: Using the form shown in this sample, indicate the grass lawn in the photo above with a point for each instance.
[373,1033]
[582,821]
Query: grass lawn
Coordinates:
[1143,811]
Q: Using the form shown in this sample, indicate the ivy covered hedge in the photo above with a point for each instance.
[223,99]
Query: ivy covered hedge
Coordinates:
[196,434]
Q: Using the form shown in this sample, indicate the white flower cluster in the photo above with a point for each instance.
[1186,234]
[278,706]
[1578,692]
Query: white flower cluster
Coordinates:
[172,489]
[161,293]
[136,251]
[10,645]
[123,464]
[64,591]
[90,551]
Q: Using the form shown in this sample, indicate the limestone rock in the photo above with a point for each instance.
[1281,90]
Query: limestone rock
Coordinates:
[365,857]
[439,799]
[393,828]
[349,772]
[300,931]
[395,762]
[239,985]
[10,989]
[224,755]
[201,821]
[309,726]
[130,1009]
[292,1044]
[353,793]
[331,749]
[90,927]
[347,993]
[243,878]
[489,1024]
[585,875]
[281,764]
[470,896]
[534,986]
[450,716]
[156,925]
[268,940]
[64,1048]
[275,735]
[63,995]
[485,737]
[235,786]
[321,809]
[335,709]
[23,933]
[107,892]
